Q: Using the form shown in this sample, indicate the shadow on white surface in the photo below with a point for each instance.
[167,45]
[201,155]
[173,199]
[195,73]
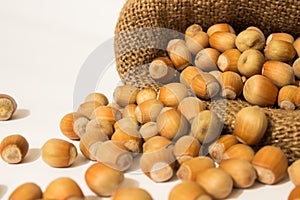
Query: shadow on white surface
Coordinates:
[236,193]
[3,190]
[20,114]
[32,155]
[85,198]
[80,160]
[129,182]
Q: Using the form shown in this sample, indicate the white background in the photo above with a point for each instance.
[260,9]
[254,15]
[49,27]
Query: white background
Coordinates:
[43,45]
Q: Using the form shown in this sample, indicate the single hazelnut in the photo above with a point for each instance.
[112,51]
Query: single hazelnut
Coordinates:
[96,96]
[59,153]
[13,148]
[250,125]
[207,58]
[62,188]
[8,106]
[216,182]
[250,39]
[271,164]
[179,53]
[132,193]
[220,27]
[241,171]
[102,179]
[188,190]
[125,94]
[28,190]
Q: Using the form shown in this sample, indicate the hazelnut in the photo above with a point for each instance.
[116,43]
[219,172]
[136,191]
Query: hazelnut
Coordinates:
[250,62]
[102,179]
[251,38]
[206,127]
[145,94]
[207,58]
[250,125]
[148,111]
[259,90]
[293,172]
[216,182]
[193,29]
[8,107]
[87,108]
[197,42]
[125,94]
[279,73]
[179,53]
[129,137]
[148,130]
[96,96]
[67,126]
[62,188]
[241,171]
[89,142]
[219,147]
[28,190]
[286,97]
[162,70]
[294,194]
[59,153]
[185,148]
[114,154]
[280,51]
[190,107]
[240,151]
[13,148]
[108,113]
[171,94]
[271,164]
[222,41]
[220,27]
[232,84]
[228,60]
[188,74]
[188,190]
[189,169]
[172,124]
[131,193]
[280,36]
[205,86]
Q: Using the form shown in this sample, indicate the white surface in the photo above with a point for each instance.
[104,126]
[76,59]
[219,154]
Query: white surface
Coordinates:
[43,45]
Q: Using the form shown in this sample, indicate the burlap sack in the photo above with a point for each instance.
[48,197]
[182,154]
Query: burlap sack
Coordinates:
[143,30]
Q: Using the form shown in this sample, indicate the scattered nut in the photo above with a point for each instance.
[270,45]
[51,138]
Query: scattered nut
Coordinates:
[59,153]
[131,193]
[102,179]
[26,191]
[62,188]
[14,148]
[8,107]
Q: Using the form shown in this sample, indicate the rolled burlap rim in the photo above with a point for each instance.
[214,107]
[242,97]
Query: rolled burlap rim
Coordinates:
[141,28]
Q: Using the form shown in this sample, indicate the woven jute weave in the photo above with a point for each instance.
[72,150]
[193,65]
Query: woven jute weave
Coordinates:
[144,28]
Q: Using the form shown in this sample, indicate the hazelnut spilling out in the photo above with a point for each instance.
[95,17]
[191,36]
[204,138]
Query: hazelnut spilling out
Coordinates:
[168,129]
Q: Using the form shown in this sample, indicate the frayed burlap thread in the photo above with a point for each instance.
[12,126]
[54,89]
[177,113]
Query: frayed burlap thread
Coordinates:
[143,31]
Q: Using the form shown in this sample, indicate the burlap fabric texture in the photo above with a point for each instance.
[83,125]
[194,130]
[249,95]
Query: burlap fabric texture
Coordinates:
[145,26]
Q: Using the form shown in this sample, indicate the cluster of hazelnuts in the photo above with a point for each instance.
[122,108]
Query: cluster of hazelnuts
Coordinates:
[262,70]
